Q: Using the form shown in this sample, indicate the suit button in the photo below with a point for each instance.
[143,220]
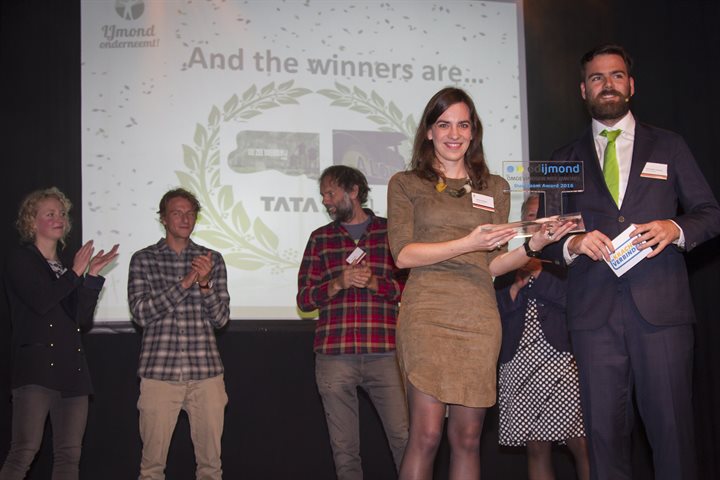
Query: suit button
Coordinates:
[51,325]
[52,364]
[52,345]
[621,219]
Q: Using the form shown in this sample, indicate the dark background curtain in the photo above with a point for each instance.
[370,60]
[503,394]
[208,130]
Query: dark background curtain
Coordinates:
[275,426]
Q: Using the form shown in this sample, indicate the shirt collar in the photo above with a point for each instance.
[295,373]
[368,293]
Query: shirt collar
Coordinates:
[162,246]
[626,124]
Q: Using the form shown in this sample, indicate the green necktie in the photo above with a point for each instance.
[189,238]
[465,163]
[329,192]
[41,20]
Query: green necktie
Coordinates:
[611,169]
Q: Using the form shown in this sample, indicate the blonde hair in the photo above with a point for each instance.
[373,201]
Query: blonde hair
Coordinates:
[28,210]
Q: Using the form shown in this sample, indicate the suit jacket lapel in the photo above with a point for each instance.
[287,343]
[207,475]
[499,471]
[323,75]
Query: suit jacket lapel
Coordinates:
[642,148]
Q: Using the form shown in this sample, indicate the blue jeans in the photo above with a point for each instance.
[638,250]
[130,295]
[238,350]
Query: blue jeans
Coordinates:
[338,377]
[68,415]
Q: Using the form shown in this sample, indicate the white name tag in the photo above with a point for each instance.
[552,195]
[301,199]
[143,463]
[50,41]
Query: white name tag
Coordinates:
[626,255]
[483,202]
[655,170]
[356,255]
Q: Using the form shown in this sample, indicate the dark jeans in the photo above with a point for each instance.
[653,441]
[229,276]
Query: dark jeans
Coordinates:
[68,416]
[338,377]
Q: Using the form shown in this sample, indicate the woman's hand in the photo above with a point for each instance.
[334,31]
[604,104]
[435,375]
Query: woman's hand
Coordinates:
[101,260]
[489,237]
[545,236]
[517,257]
[82,258]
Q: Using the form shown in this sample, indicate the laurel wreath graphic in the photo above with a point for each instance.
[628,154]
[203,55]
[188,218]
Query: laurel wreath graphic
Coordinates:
[250,244]
[374,107]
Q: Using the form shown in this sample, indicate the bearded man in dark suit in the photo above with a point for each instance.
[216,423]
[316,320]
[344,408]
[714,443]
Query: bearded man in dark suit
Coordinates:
[633,334]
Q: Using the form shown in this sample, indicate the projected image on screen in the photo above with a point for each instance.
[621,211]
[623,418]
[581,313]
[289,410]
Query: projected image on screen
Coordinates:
[245,103]
[286,152]
[376,154]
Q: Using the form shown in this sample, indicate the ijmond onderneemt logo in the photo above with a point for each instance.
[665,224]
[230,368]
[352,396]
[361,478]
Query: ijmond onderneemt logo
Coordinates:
[124,36]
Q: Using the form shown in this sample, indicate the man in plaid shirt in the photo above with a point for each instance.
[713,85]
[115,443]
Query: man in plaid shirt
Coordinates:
[177,291]
[348,274]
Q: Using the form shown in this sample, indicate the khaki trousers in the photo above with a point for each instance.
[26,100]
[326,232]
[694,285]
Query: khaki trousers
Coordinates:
[159,405]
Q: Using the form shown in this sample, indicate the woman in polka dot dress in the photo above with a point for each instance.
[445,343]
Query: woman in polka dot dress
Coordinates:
[538,389]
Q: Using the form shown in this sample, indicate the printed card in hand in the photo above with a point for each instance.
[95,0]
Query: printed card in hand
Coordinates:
[626,255]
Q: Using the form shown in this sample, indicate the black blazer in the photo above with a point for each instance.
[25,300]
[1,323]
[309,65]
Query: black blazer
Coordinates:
[48,315]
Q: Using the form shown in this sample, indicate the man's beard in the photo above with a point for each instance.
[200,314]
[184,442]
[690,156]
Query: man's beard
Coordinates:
[604,110]
[343,211]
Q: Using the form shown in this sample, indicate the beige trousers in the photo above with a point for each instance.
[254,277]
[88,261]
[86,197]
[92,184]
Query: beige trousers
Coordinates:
[160,403]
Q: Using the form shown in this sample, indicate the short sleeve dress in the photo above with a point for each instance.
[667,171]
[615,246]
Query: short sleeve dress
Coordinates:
[448,336]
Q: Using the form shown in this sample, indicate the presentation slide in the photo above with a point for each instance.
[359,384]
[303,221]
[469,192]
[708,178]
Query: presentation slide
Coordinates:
[246,102]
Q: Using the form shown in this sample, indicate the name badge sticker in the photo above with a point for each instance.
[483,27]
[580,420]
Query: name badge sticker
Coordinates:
[483,202]
[356,255]
[657,171]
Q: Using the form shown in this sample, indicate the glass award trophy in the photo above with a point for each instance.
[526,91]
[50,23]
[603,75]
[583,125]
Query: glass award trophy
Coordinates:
[548,180]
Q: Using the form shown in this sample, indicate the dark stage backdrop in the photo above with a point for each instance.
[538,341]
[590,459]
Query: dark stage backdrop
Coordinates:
[275,421]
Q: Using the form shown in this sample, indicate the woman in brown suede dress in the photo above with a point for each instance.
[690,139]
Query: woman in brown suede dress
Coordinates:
[440,217]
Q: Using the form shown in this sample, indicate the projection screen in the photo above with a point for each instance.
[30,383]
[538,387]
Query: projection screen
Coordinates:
[246,102]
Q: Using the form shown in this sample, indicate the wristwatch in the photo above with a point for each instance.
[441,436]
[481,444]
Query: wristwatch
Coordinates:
[529,251]
[209,284]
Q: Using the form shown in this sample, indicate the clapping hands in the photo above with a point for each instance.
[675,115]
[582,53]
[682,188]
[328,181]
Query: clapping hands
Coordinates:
[84,259]
[200,272]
